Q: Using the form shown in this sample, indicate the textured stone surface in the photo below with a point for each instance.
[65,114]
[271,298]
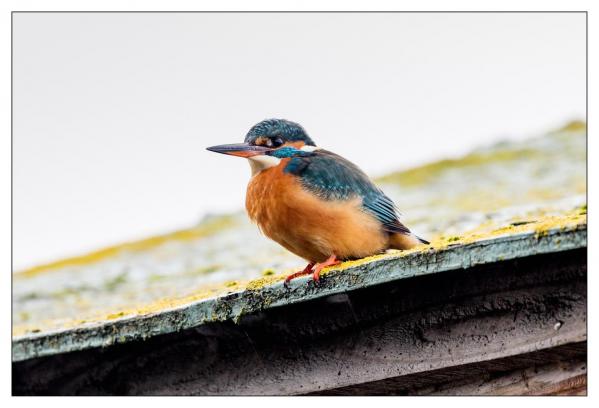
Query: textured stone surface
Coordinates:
[233,306]
[406,336]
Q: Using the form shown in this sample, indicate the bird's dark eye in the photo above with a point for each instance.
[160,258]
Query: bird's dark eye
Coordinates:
[277,141]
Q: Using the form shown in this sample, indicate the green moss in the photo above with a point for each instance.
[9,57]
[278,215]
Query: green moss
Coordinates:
[24,316]
[574,126]
[204,229]
[30,296]
[197,271]
[205,269]
[541,233]
[70,291]
[426,173]
[113,316]
[116,281]
[499,153]
[521,222]
[267,280]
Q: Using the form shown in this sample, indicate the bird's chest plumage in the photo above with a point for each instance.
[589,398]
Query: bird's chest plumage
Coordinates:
[308,225]
[269,200]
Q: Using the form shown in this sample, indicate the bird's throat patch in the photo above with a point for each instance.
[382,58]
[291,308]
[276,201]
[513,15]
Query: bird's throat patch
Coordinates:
[262,162]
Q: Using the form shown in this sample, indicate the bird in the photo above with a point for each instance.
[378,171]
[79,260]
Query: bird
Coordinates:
[313,202]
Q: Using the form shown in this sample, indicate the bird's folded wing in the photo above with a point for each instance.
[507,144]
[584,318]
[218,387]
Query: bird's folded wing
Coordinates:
[332,177]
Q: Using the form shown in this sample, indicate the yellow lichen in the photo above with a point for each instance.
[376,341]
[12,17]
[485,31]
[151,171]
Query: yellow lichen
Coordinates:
[540,226]
[423,174]
[113,316]
[266,280]
[201,231]
[353,263]
[574,126]
[499,154]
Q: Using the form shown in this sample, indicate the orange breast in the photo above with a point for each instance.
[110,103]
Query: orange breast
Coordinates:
[307,225]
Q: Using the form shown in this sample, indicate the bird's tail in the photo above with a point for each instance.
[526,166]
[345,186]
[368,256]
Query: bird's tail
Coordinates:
[422,240]
[401,240]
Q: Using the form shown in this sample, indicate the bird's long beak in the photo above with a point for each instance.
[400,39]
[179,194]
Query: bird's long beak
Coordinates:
[240,149]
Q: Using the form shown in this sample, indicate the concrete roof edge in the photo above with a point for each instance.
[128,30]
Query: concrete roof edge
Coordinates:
[234,305]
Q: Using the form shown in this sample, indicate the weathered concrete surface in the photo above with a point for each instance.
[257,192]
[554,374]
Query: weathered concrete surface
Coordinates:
[411,333]
[561,370]
[233,306]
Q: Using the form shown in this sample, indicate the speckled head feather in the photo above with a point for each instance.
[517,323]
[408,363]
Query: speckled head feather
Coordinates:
[275,132]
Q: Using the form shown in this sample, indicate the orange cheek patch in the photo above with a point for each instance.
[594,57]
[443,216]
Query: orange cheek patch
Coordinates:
[261,141]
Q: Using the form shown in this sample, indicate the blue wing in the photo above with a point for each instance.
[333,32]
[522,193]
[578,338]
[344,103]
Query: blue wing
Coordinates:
[332,177]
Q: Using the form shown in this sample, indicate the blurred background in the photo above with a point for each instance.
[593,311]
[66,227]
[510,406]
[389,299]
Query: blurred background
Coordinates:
[112,112]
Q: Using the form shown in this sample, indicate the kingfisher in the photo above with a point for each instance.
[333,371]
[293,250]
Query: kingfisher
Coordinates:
[314,202]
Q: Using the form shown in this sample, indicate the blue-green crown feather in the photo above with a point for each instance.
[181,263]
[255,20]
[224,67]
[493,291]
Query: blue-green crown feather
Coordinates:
[270,128]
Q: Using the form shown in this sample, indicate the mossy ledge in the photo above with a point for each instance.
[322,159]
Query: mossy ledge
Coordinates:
[204,229]
[499,154]
[235,299]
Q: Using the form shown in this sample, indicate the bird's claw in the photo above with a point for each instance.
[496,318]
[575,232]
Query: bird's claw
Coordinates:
[314,269]
[307,270]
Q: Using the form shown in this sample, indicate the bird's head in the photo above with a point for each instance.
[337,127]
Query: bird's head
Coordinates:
[268,142]
[277,133]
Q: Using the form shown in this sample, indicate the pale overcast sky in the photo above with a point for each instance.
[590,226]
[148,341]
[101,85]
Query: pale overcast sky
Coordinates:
[112,112]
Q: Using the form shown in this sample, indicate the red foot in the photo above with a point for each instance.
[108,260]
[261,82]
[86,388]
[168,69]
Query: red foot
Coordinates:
[317,269]
[332,261]
[307,270]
